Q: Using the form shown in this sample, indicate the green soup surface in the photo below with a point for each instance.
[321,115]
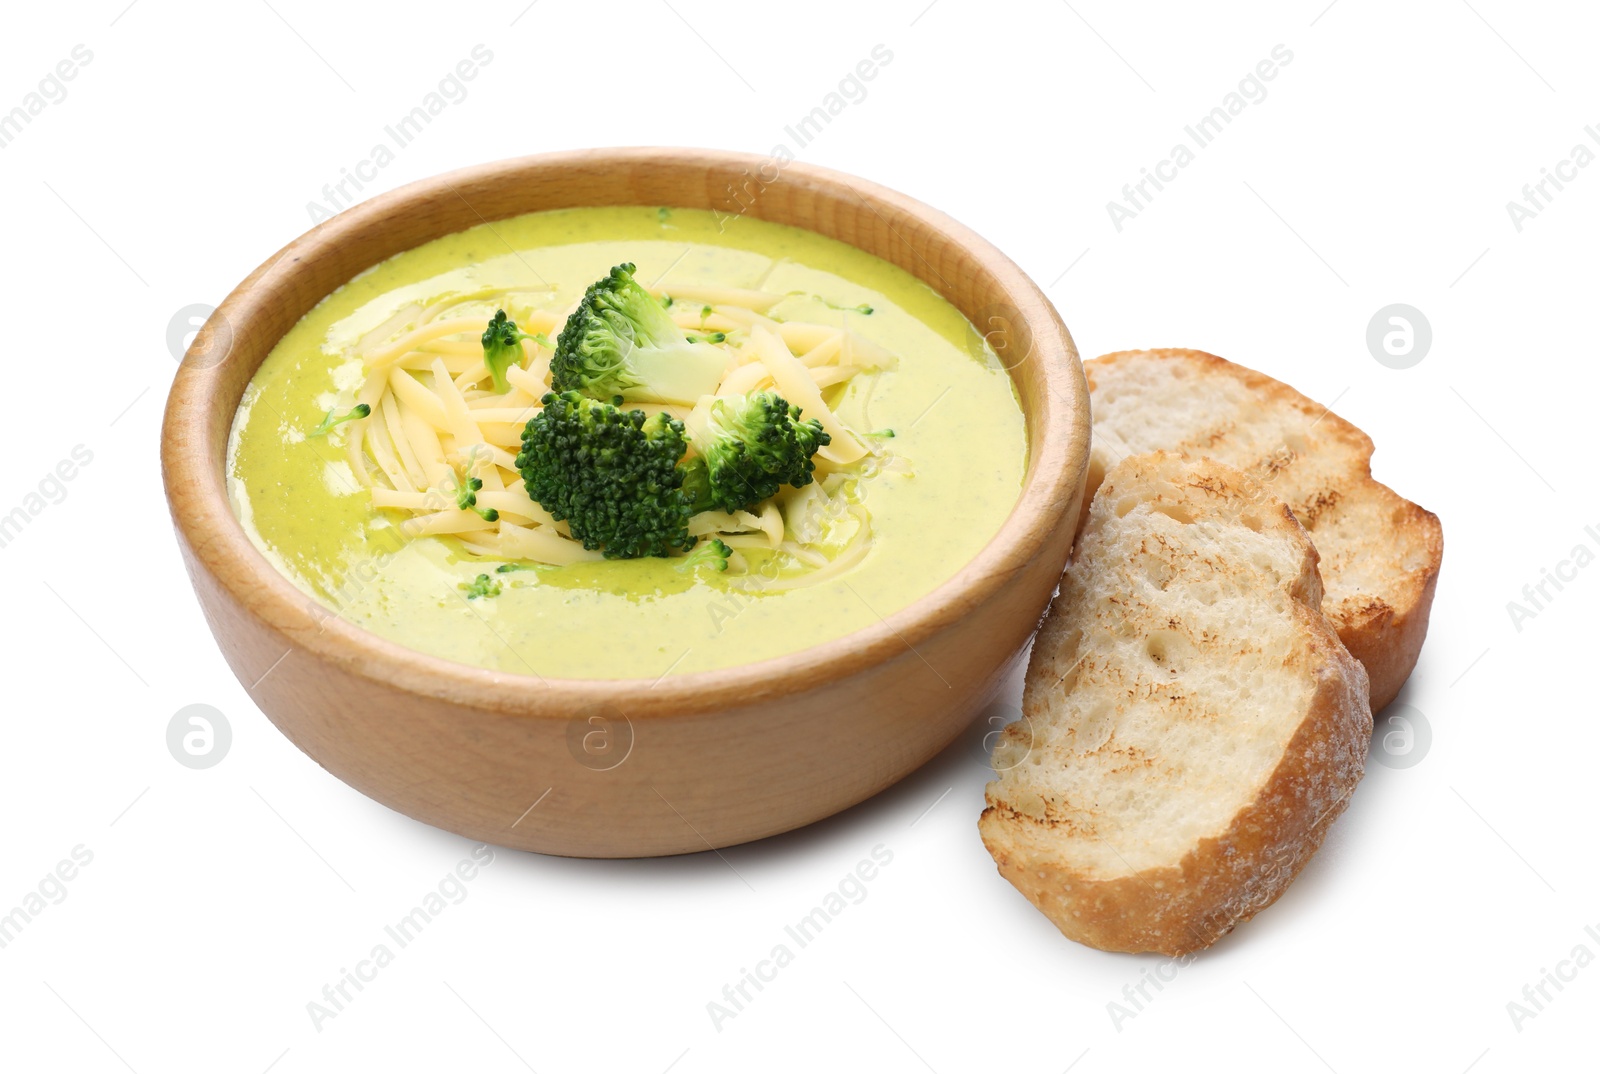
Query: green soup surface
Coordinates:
[959,438]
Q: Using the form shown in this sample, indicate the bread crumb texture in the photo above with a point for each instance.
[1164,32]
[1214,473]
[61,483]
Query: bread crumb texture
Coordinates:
[1192,723]
[1380,553]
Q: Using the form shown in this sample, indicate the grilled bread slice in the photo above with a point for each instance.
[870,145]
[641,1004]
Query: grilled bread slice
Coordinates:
[1380,552]
[1192,724]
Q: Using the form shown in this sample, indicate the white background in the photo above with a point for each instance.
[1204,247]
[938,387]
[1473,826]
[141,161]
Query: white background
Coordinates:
[1377,170]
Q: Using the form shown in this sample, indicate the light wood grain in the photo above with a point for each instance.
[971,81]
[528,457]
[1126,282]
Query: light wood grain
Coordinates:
[717,757]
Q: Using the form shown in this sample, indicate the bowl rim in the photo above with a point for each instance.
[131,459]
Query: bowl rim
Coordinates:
[194,476]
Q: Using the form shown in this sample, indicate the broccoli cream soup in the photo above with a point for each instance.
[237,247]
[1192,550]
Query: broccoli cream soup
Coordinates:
[625,443]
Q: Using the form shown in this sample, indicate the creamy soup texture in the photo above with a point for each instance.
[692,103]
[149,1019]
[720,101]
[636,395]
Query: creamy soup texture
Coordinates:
[959,441]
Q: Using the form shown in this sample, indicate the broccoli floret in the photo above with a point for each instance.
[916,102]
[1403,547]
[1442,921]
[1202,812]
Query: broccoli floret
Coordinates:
[467,498]
[749,446]
[621,342]
[333,418]
[481,586]
[712,553]
[620,481]
[611,474]
[508,568]
[502,348]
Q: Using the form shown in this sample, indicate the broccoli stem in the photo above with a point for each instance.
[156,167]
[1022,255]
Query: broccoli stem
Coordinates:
[330,421]
[467,498]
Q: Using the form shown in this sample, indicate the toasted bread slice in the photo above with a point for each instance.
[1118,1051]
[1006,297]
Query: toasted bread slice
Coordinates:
[1192,724]
[1380,552]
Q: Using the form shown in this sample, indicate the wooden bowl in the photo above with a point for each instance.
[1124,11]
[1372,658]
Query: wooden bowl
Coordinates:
[627,768]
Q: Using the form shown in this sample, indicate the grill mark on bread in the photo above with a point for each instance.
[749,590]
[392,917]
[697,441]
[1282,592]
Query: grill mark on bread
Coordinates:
[1310,511]
[1373,541]
[1079,846]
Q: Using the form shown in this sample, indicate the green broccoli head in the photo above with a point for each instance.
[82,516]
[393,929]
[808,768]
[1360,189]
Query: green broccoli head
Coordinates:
[750,446]
[502,348]
[611,474]
[712,554]
[621,342]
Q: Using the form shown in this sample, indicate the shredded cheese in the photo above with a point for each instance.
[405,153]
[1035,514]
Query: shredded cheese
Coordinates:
[760,301]
[436,421]
[794,383]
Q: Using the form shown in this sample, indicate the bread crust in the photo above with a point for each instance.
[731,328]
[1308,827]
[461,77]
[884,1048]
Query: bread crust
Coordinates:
[1383,630]
[1226,878]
